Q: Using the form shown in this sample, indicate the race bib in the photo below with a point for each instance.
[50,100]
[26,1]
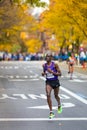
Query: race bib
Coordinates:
[49,75]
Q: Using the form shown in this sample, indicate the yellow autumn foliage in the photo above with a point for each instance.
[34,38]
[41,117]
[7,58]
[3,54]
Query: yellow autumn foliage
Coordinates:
[33,45]
[53,45]
[6,47]
[67,18]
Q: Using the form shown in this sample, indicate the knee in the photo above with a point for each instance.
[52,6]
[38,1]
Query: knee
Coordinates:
[48,95]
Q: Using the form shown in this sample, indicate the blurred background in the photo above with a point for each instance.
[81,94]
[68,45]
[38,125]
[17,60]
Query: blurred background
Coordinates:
[29,28]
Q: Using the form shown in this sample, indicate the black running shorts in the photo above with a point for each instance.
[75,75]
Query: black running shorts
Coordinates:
[53,83]
[71,64]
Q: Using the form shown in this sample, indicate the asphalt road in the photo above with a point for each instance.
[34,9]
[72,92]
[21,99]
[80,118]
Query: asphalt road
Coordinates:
[23,103]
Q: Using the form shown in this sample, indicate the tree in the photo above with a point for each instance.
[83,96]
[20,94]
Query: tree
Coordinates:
[31,2]
[33,45]
[68,19]
[14,20]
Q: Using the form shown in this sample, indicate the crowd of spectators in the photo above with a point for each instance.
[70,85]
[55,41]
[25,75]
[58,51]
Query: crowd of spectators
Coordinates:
[82,56]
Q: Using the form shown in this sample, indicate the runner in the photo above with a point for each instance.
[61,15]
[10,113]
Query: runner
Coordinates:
[71,63]
[52,71]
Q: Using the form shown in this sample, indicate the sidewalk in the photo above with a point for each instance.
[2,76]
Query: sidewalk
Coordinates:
[77,68]
[80,69]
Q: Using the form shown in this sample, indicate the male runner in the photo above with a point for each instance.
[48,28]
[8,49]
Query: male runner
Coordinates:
[52,71]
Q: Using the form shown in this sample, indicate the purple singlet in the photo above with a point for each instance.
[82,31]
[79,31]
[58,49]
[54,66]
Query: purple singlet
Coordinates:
[50,76]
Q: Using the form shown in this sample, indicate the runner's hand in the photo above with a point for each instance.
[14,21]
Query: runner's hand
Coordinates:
[49,70]
[43,73]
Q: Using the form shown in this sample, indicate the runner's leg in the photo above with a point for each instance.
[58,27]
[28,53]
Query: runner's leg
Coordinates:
[71,72]
[68,68]
[48,93]
[56,94]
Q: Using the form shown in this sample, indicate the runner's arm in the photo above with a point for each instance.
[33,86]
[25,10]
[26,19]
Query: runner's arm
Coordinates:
[43,73]
[58,73]
[58,70]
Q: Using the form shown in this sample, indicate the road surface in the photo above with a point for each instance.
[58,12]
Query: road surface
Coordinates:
[23,100]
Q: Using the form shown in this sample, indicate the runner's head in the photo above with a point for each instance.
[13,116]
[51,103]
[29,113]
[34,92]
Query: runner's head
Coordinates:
[49,57]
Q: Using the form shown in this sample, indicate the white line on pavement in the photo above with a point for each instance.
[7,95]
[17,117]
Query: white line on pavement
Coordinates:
[23,80]
[78,80]
[42,119]
[74,95]
[70,93]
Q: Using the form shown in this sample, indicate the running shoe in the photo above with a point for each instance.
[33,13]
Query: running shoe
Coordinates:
[59,110]
[51,115]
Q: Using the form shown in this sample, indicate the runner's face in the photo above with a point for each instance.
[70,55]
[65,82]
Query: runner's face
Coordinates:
[48,58]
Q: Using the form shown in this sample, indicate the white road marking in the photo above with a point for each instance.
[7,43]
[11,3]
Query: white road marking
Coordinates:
[70,93]
[2,67]
[26,76]
[1,76]
[63,96]
[42,119]
[33,79]
[17,76]
[74,95]
[11,76]
[17,80]
[33,76]
[23,80]
[43,78]
[16,67]
[31,71]
[34,96]
[9,67]
[68,76]
[45,107]
[78,80]
[5,96]
[23,96]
